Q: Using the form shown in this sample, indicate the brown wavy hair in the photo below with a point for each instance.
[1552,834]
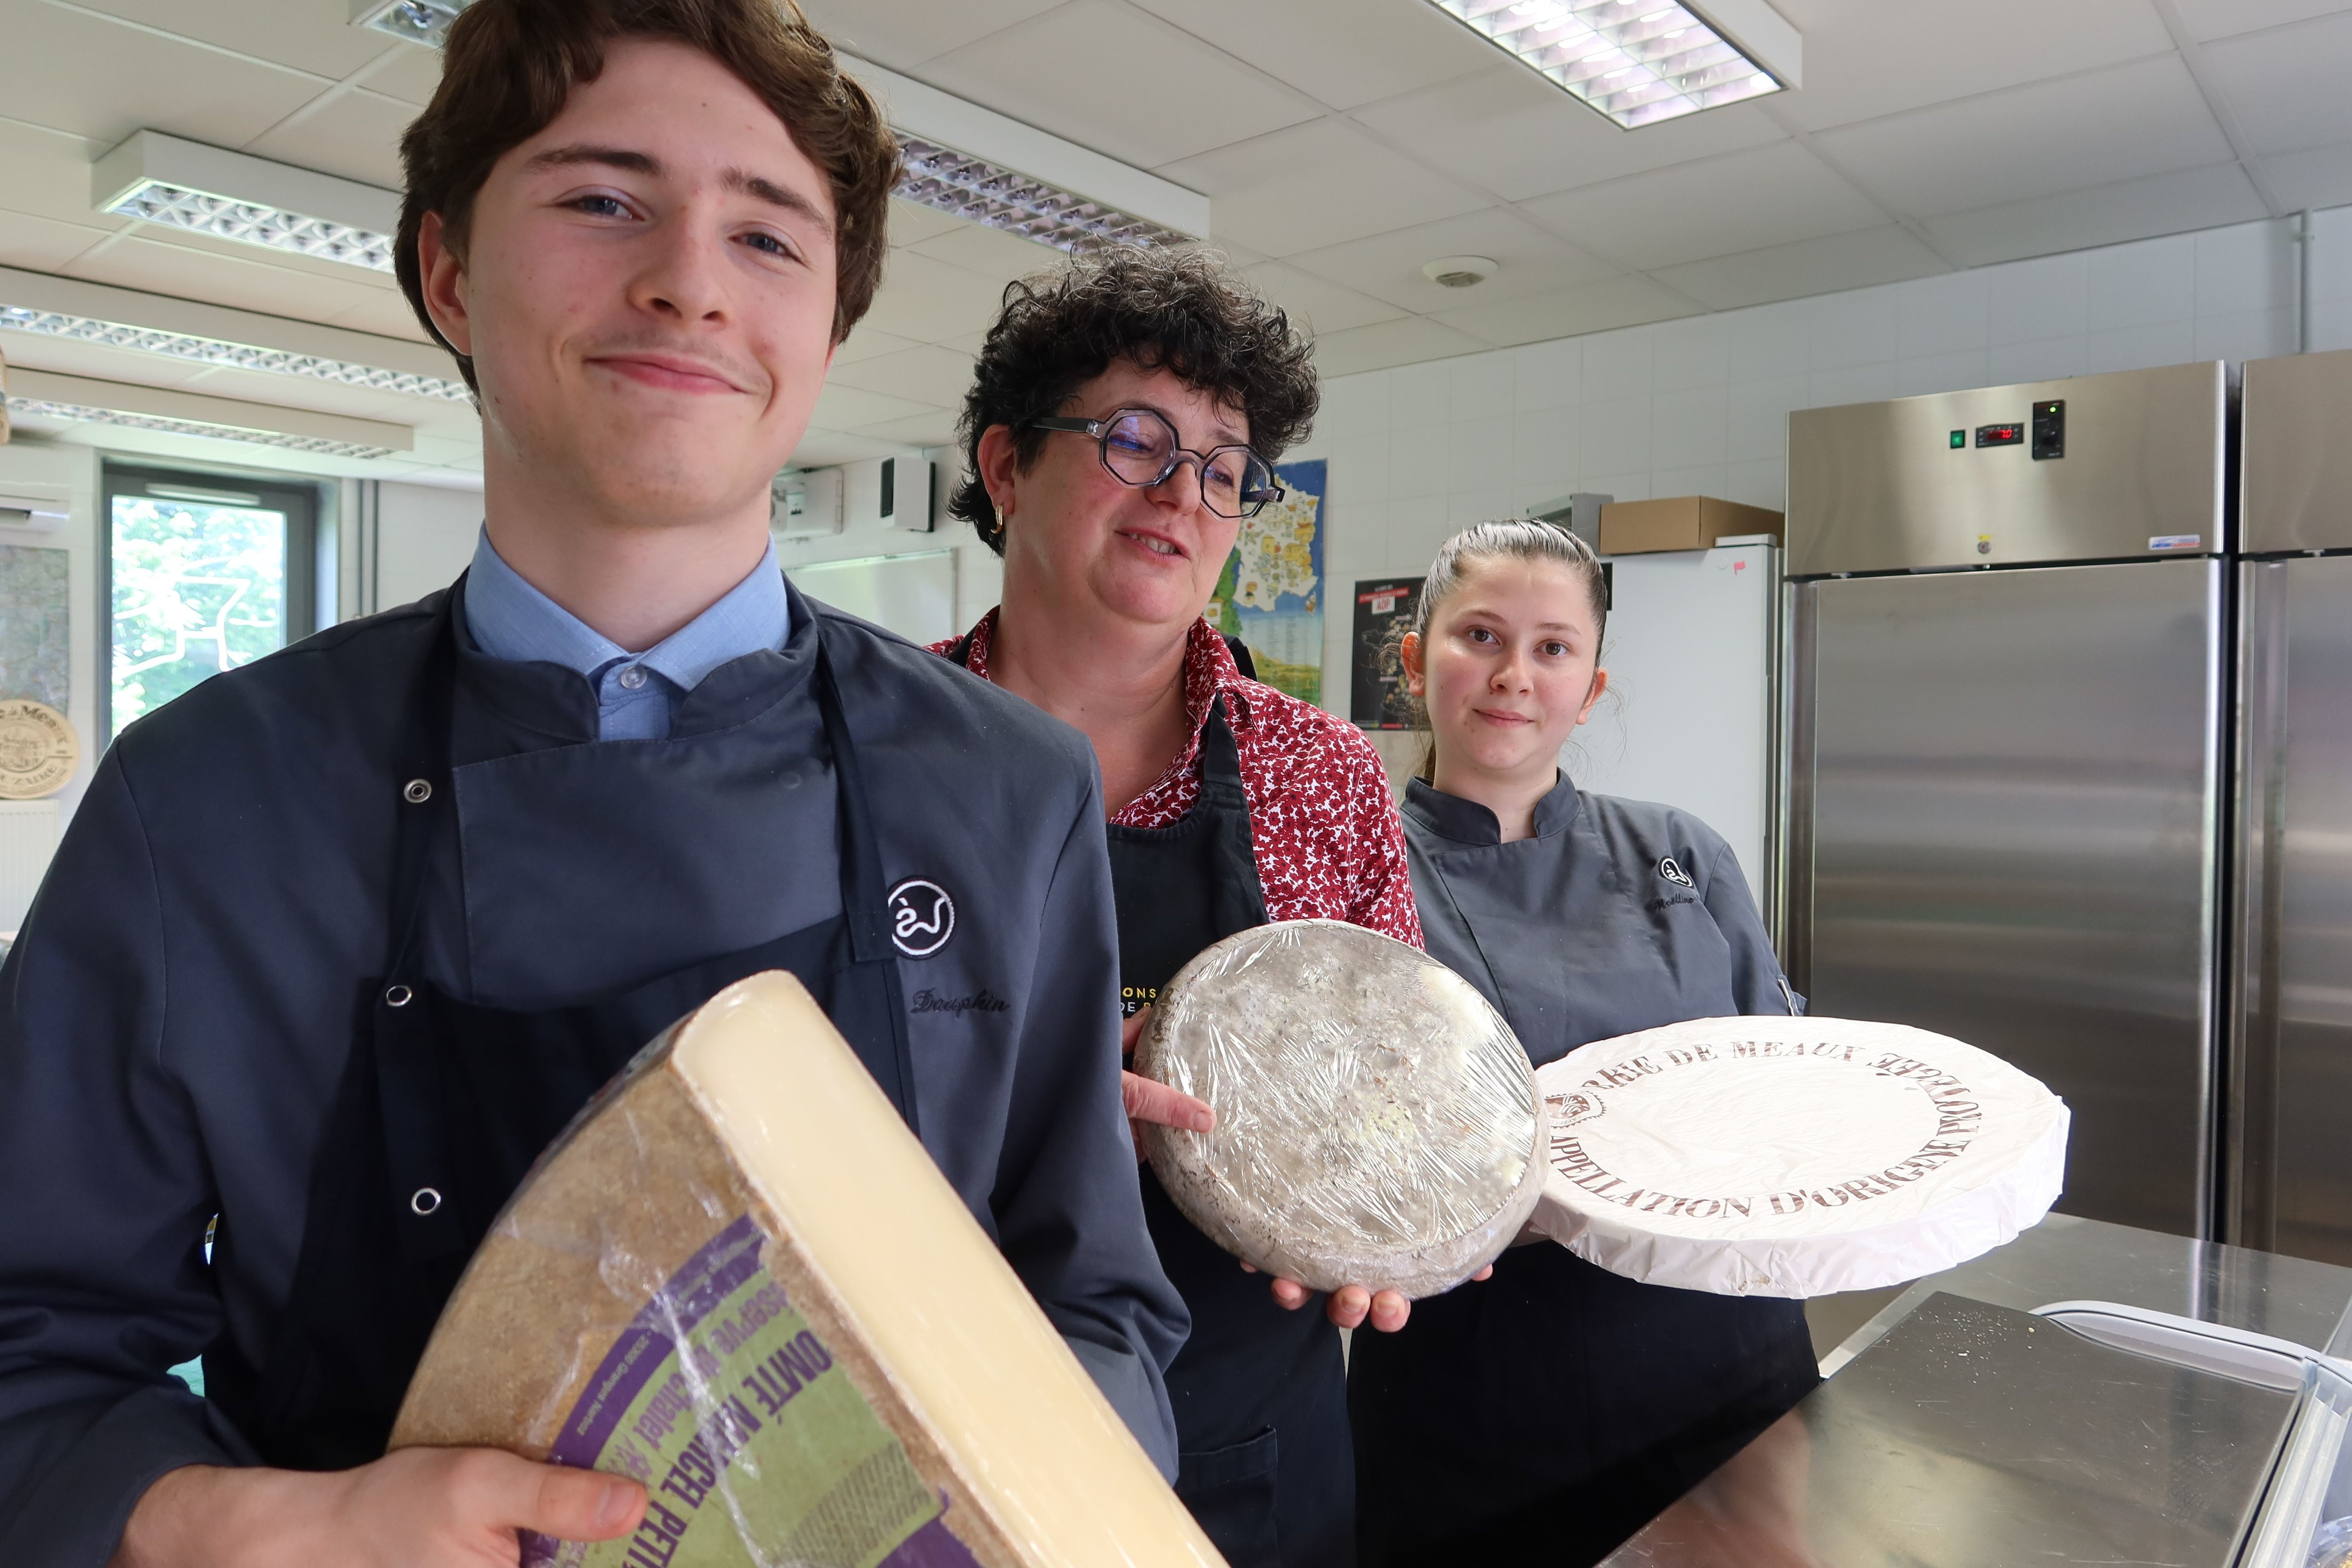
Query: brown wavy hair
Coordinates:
[1179,308]
[511,66]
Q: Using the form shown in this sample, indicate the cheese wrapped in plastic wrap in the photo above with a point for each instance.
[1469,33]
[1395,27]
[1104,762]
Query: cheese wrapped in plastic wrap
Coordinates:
[1377,1122]
[1793,1156]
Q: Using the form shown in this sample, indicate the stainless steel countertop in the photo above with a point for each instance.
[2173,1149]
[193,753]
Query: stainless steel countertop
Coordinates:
[1960,1432]
[2065,1258]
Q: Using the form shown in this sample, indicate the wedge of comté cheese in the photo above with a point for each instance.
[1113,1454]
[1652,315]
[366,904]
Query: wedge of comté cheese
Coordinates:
[738,1277]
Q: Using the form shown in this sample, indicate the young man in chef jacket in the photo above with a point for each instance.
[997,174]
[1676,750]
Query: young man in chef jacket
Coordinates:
[642,226]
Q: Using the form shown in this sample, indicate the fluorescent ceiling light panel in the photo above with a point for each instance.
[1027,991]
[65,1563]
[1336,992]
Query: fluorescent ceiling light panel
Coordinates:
[186,184]
[423,22]
[980,192]
[81,414]
[1643,61]
[234,356]
[985,168]
[52,394]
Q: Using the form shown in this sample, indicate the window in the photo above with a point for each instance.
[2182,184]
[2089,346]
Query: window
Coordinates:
[203,572]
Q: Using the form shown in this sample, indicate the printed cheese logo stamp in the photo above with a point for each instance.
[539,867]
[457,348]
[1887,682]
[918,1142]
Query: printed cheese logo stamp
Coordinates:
[39,750]
[922,917]
[1793,1157]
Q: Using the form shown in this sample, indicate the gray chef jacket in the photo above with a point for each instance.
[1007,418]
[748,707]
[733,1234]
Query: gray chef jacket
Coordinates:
[175,1015]
[1615,915]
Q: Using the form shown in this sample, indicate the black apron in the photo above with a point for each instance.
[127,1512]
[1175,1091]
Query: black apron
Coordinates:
[446,1103]
[1264,1458]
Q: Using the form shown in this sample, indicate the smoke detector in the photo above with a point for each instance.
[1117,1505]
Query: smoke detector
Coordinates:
[1459,271]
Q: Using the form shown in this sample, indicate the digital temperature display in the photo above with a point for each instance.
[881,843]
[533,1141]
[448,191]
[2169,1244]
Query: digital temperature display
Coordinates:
[2001,435]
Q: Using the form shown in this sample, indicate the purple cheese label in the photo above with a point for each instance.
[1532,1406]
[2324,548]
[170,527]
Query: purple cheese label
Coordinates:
[753,1447]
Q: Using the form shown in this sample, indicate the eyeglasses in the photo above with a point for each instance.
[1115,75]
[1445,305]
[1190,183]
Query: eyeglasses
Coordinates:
[1140,448]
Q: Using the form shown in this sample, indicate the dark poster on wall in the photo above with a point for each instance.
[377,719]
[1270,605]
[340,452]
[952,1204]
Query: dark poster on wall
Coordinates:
[1376,697]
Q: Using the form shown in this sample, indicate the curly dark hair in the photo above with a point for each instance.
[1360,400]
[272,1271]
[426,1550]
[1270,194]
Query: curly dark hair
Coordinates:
[1179,309]
[511,66]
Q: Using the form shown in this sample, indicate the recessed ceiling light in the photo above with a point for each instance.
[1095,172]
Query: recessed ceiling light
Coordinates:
[1643,61]
[423,22]
[186,184]
[234,356]
[1459,271]
[83,414]
[980,192]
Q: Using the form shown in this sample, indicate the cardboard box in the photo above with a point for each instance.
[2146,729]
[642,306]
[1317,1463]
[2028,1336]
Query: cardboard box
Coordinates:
[1681,523]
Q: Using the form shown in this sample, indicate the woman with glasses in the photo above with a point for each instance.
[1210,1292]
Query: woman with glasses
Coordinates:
[1119,431]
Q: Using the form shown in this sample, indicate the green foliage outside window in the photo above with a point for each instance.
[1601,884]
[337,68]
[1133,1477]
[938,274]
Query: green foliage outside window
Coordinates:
[197,589]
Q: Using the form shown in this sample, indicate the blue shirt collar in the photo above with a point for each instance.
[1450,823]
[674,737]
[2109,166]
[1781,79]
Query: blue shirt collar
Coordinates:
[511,619]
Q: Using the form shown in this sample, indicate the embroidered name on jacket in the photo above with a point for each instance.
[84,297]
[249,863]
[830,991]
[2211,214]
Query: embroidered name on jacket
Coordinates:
[982,1001]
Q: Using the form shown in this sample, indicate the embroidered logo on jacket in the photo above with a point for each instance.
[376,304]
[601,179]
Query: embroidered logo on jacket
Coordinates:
[922,917]
[1673,872]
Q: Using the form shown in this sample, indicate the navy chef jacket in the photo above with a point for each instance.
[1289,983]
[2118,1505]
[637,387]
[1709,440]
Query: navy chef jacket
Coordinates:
[175,1015]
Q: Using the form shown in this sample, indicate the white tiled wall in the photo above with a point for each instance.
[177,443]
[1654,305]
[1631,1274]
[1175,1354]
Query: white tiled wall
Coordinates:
[1699,405]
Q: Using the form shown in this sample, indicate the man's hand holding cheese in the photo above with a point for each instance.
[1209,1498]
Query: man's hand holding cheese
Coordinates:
[339,941]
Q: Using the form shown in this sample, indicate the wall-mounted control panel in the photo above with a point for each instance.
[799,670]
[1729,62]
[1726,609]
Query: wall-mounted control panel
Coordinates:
[2049,430]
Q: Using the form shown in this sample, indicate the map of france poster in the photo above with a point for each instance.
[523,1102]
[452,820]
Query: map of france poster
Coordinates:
[1271,595]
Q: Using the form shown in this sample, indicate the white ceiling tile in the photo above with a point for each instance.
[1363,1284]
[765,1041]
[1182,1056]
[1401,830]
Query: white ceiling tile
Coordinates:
[1388,266]
[1742,201]
[906,33]
[1512,132]
[1407,340]
[990,252]
[46,173]
[1317,185]
[411,75]
[1316,303]
[42,243]
[1126,84]
[2117,124]
[930,301]
[922,375]
[1885,255]
[2316,177]
[1623,301]
[317,39]
[911,225]
[191,273]
[2211,19]
[915,430]
[867,342]
[2287,85]
[353,135]
[840,407]
[1342,52]
[822,447]
[73,71]
[2106,215]
[1869,58]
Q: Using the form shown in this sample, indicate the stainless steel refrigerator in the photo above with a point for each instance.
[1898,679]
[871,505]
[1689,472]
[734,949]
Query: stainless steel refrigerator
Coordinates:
[2006,702]
[2288,1174]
